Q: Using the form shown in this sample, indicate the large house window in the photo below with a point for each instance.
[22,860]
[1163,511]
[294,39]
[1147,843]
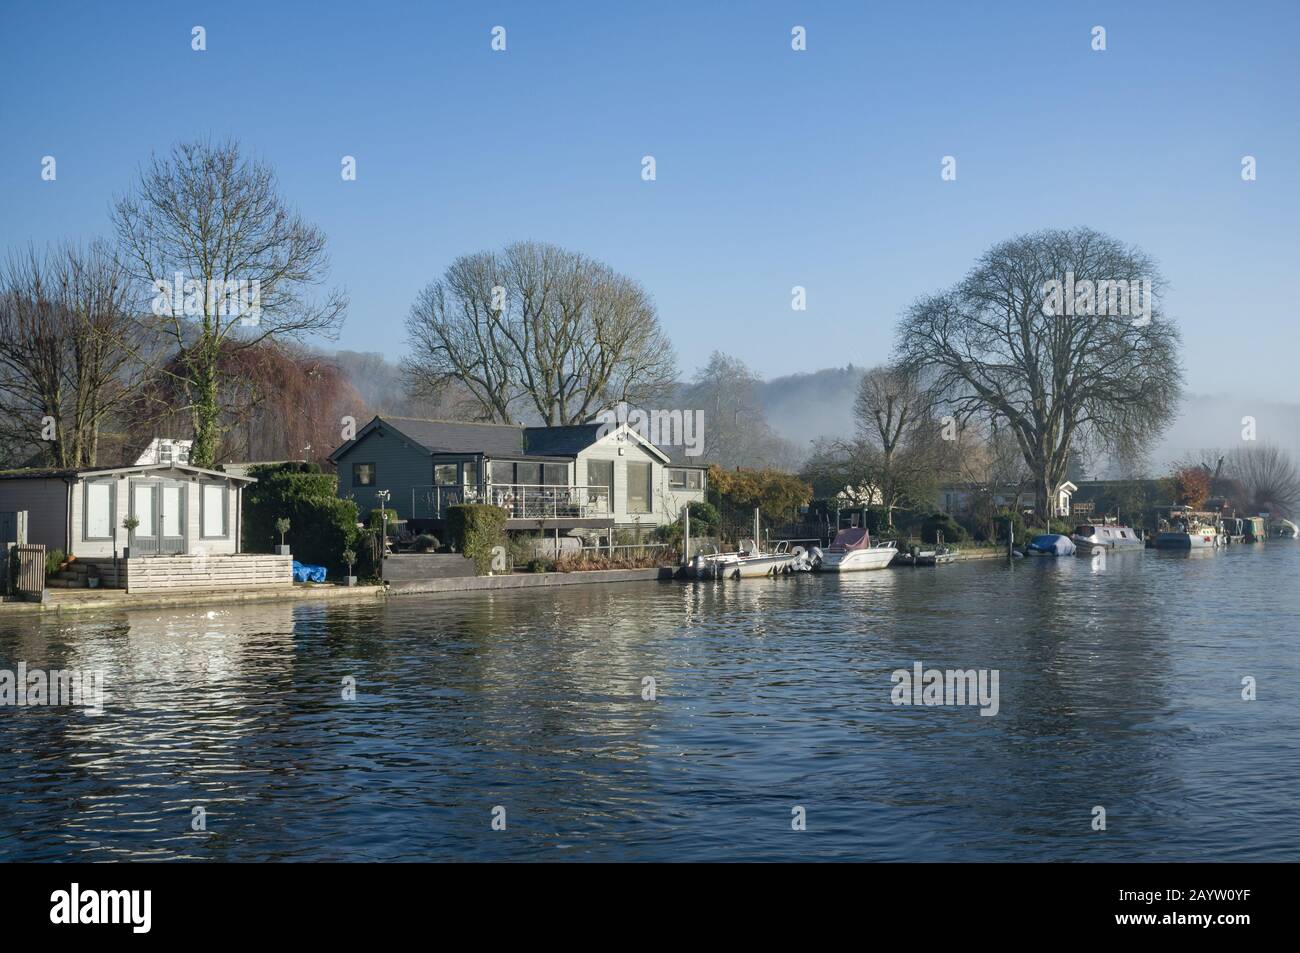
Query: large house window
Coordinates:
[212,518]
[600,473]
[99,506]
[555,474]
[363,474]
[638,487]
[444,474]
[528,474]
[681,479]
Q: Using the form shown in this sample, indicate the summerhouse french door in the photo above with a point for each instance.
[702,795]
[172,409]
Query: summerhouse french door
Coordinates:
[159,505]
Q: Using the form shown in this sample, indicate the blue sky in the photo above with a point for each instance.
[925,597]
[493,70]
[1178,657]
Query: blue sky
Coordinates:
[775,168]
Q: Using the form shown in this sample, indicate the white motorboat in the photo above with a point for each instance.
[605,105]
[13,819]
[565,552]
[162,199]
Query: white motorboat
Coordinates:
[851,550]
[748,562]
[753,563]
[1089,537]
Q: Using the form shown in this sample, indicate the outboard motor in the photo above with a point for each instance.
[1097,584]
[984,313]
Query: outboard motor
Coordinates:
[814,557]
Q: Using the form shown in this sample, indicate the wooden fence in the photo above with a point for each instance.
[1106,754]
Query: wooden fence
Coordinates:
[31,570]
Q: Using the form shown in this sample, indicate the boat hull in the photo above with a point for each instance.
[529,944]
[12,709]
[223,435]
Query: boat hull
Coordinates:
[751,568]
[1083,545]
[858,560]
[1186,541]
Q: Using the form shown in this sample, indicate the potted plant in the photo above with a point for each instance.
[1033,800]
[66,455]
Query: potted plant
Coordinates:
[350,557]
[282,527]
[129,524]
[92,576]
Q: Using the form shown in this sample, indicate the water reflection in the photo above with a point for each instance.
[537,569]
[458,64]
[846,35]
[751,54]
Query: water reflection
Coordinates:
[1119,682]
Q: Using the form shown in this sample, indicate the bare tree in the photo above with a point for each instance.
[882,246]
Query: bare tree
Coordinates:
[71,349]
[541,327]
[898,437]
[736,430]
[1055,372]
[1269,477]
[229,264]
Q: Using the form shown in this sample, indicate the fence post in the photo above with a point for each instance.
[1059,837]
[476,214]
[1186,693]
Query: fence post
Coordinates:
[686,533]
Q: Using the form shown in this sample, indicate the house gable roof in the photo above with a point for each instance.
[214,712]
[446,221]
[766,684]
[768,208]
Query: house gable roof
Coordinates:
[495,440]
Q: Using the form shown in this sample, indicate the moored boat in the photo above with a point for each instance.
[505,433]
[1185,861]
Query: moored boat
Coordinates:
[1088,537]
[851,550]
[1283,529]
[1050,544]
[1187,529]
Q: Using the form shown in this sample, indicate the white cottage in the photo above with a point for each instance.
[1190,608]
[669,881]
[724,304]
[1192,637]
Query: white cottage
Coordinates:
[185,524]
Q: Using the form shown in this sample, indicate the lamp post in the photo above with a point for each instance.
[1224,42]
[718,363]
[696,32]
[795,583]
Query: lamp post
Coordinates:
[382,497]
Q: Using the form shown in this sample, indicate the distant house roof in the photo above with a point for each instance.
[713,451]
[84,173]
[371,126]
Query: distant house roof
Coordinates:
[494,440]
[63,473]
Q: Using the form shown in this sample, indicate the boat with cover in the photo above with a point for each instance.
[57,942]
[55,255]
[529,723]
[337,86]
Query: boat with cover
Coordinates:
[1050,544]
[851,550]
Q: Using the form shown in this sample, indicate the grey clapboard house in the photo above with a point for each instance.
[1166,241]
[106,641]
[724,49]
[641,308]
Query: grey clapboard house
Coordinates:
[186,537]
[588,476]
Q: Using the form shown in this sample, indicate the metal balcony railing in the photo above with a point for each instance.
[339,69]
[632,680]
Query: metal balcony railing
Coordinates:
[519,500]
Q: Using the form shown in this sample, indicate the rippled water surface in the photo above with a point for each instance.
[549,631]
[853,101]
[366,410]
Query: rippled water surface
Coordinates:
[1120,686]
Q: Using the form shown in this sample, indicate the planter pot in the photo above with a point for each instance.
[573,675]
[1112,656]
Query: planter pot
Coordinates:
[93,582]
[351,581]
[282,551]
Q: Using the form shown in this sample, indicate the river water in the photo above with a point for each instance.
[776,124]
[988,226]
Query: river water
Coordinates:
[1119,686]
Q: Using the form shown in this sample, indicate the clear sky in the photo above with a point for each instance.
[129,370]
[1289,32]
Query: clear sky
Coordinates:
[775,168]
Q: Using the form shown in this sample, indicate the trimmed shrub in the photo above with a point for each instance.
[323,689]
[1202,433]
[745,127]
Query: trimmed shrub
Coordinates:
[377,518]
[322,526]
[426,543]
[474,529]
[936,523]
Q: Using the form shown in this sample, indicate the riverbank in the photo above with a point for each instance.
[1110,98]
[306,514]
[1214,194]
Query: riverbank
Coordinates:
[116,600]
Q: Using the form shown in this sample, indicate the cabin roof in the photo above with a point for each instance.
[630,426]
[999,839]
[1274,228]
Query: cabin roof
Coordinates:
[63,473]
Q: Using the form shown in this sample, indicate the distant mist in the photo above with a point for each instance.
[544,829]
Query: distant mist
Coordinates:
[803,407]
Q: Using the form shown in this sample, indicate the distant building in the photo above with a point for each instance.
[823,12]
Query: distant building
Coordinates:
[955,499]
[165,450]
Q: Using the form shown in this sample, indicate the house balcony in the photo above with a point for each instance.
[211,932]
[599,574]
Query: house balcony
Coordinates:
[527,506]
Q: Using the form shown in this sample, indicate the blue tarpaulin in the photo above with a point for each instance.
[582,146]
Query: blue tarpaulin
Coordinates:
[304,573]
[1051,544]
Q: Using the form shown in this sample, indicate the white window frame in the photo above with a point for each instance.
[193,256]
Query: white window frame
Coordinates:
[85,508]
[203,509]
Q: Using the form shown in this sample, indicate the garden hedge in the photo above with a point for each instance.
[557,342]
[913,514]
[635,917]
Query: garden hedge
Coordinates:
[474,529]
[321,526]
